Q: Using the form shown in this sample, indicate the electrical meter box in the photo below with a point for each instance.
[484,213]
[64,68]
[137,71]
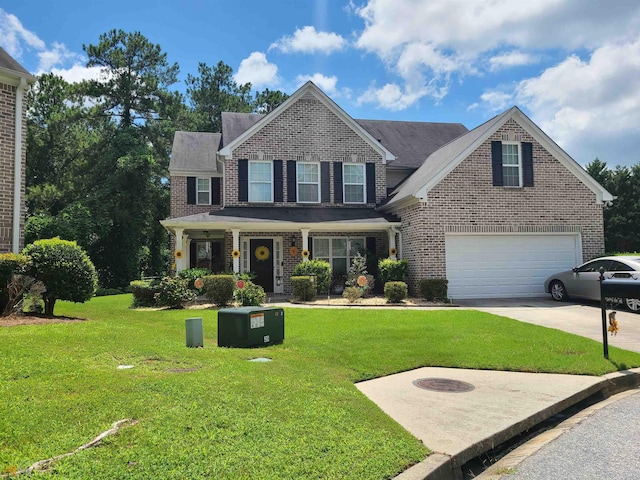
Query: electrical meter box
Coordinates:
[247,327]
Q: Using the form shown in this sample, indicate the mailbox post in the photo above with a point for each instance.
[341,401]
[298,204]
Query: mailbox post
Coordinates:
[603,310]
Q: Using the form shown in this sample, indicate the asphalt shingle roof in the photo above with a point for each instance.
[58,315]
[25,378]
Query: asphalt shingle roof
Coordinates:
[194,152]
[7,62]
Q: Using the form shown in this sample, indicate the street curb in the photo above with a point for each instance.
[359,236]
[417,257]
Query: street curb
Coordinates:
[443,467]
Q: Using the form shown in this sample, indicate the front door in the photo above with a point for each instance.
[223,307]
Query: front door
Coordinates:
[261,262]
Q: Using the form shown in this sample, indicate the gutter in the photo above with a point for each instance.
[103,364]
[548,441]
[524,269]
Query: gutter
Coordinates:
[17,167]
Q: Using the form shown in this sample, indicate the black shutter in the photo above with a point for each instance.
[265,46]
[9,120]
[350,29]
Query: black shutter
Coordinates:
[215,191]
[243,180]
[191,190]
[193,259]
[337,182]
[372,257]
[310,243]
[496,163]
[278,185]
[291,181]
[325,183]
[527,164]
[371,182]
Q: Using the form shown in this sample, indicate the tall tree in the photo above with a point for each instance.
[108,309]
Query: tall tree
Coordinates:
[215,91]
[268,100]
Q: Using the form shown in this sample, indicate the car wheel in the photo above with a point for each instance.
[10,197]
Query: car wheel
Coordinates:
[633,304]
[558,291]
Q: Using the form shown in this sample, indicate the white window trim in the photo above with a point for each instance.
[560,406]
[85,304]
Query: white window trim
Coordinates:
[307,183]
[348,255]
[251,162]
[364,184]
[520,180]
[198,191]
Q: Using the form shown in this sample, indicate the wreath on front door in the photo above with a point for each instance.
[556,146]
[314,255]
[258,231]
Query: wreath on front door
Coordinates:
[262,253]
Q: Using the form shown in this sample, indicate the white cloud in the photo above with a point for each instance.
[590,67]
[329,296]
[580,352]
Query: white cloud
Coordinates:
[77,73]
[431,42]
[57,55]
[590,107]
[257,70]
[511,59]
[13,35]
[390,97]
[308,40]
[326,84]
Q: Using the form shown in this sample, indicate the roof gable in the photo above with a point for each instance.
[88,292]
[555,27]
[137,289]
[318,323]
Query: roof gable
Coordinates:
[12,69]
[308,88]
[439,164]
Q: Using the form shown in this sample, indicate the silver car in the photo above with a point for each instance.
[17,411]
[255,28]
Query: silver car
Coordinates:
[584,281]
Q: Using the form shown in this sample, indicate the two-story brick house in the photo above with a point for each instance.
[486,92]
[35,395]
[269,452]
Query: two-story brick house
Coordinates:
[14,79]
[494,209]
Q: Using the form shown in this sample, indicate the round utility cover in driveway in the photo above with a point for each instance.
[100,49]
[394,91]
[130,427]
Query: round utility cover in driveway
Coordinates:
[507,265]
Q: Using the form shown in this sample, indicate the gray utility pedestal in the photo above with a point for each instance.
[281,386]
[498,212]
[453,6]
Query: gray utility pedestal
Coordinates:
[194,332]
[250,327]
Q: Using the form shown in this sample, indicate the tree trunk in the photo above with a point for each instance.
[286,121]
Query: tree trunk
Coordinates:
[49,303]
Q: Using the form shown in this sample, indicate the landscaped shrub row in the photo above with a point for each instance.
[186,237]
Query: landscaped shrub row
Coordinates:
[315,268]
[395,292]
[433,288]
[304,288]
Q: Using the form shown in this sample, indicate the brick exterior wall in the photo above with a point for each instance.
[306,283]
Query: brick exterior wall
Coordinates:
[7,155]
[179,206]
[466,201]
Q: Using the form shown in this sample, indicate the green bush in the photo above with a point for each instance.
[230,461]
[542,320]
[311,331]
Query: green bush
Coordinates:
[304,288]
[433,288]
[10,264]
[358,269]
[191,274]
[392,270]
[144,292]
[173,292]
[219,288]
[395,292]
[64,268]
[352,294]
[251,295]
[321,269]
[103,292]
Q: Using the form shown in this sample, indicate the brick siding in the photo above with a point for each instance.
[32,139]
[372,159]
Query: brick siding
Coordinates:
[466,201]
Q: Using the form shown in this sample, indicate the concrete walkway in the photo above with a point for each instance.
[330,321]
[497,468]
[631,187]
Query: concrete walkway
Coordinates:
[459,426]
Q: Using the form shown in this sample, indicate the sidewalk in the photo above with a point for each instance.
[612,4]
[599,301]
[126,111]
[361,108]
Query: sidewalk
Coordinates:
[459,426]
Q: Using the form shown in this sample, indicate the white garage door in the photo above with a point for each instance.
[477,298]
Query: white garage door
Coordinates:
[501,266]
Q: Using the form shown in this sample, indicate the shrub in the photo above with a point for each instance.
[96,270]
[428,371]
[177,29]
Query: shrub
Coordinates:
[191,274]
[11,264]
[358,269]
[321,269]
[173,292]
[352,294]
[433,288]
[251,295]
[219,288]
[395,292]
[144,292]
[103,292]
[65,269]
[392,270]
[304,288]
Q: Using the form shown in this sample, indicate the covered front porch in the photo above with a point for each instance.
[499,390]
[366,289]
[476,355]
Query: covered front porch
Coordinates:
[270,241]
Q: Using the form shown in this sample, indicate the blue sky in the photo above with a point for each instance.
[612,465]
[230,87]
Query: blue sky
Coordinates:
[573,66]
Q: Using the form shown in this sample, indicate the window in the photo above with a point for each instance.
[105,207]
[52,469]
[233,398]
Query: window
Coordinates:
[260,182]
[338,251]
[354,183]
[595,266]
[203,191]
[511,165]
[308,182]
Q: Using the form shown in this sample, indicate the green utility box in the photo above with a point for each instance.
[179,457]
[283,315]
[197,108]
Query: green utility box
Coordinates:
[246,327]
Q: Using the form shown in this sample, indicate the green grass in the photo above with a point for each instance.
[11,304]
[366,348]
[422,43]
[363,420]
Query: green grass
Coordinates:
[299,416]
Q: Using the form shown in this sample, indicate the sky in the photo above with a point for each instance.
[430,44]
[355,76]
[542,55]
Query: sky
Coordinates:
[573,66]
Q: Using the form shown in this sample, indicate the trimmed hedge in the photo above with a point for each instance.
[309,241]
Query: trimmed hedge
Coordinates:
[144,292]
[174,292]
[395,292]
[219,289]
[434,288]
[251,295]
[304,288]
[392,270]
[320,269]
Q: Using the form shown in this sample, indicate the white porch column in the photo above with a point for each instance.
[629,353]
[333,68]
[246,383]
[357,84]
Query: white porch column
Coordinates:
[305,242]
[17,169]
[179,247]
[392,244]
[236,246]
[187,253]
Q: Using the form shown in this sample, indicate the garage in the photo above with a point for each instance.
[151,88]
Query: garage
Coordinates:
[507,265]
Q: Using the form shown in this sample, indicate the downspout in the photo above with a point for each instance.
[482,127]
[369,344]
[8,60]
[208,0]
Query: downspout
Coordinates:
[17,167]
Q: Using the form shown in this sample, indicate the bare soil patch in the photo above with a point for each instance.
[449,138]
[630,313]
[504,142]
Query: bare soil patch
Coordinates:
[14,320]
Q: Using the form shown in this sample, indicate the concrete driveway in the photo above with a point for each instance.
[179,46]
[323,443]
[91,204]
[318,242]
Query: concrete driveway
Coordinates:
[580,318]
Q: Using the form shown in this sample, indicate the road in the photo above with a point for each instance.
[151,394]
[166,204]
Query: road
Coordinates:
[604,445]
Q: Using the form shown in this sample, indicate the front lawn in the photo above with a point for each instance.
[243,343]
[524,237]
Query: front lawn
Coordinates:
[296,417]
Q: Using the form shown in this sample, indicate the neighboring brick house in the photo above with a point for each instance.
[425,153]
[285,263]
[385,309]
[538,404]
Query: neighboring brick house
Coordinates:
[13,133]
[494,210]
